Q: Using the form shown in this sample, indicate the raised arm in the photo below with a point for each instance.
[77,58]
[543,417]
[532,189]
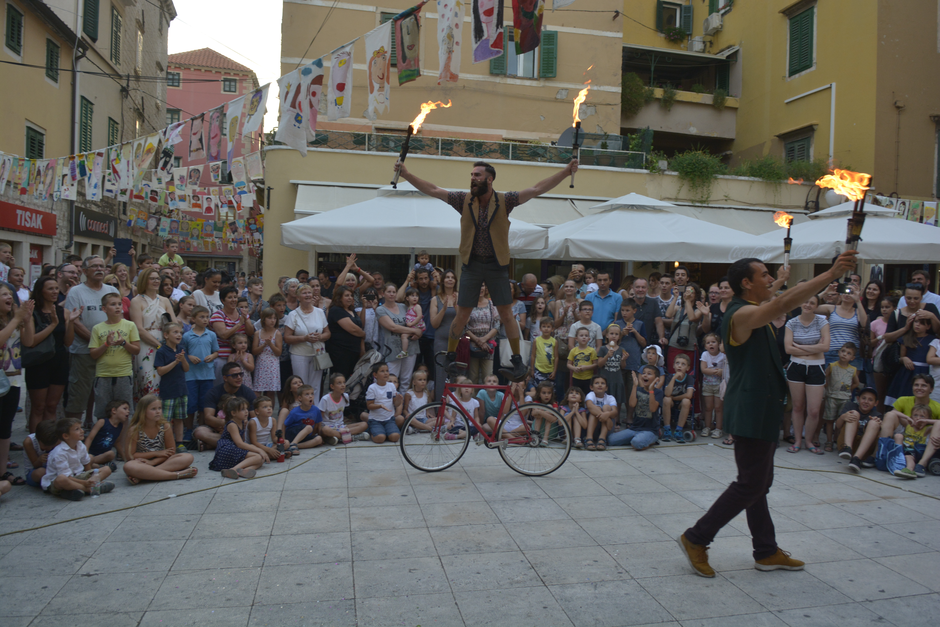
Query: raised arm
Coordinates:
[429,189]
[545,185]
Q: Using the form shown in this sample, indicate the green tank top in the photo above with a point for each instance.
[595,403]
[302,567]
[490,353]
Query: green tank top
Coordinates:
[757,388]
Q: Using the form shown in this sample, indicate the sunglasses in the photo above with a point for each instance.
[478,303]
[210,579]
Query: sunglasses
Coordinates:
[235,375]
[915,286]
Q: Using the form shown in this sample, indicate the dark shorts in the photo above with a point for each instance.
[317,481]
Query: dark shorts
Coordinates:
[813,375]
[53,372]
[291,432]
[474,273]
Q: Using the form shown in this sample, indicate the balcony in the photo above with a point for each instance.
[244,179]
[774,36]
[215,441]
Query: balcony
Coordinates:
[691,114]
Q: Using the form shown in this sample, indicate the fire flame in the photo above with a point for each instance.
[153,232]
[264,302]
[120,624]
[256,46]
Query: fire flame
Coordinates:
[426,108]
[852,185]
[792,181]
[784,219]
[582,96]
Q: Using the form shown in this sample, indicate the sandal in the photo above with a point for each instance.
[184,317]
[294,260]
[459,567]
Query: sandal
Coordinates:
[112,466]
[589,445]
[728,441]
[13,479]
[815,449]
[230,473]
[189,473]
[133,480]
[601,444]
[790,439]
[793,449]
[16,447]
[828,447]
[246,474]
[12,465]
[578,443]
[294,449]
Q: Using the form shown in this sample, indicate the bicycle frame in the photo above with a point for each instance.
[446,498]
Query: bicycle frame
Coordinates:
[448,395]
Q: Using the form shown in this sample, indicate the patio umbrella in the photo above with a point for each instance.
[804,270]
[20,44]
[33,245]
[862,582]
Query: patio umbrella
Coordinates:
[396,221]
[846,208]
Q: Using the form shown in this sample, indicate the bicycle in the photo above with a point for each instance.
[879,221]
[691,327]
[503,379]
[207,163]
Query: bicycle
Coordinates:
[533,439]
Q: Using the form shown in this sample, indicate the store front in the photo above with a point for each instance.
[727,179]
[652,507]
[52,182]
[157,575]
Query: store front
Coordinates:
[30,233]
[93,232]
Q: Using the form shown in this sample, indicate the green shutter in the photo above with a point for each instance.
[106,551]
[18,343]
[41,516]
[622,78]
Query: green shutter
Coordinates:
[713,6]
[35,143]
[84,135]
[548,54]
[90,23]
[117,27]
[385,17]
[114,132]
[801,42]
[659,15]
[723,77]
[498,64]
[798,150]
[14,30]
[52,60]
[685,18]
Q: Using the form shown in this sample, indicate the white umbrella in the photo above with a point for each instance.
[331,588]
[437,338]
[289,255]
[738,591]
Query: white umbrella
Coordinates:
[883,240]
[396,221]
[846,208]
[643,229]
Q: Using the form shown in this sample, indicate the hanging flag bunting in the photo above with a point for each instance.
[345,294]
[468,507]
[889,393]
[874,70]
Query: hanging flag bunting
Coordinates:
[93,179]
[254,112]
[487,29]
[341,82]
[290,127]
[25,165]
[378,61]
[69,181]
[179,180]
[254,165]
[6,166]
[308,97]
[527,24]
[48,179]
[174,133]
[37,169]
[559,4]
[239,176]
[233,118]
[450,14]
[407,43]
[197,146]
[214,134]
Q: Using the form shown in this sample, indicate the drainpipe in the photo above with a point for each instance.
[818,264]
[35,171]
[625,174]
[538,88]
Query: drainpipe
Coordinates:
[76,58]
[832,113]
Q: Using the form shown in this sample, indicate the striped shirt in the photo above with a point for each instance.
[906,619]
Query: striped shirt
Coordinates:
[842,330]
[807,336]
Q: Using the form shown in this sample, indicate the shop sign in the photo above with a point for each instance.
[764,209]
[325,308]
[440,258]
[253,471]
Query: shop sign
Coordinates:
[19,218]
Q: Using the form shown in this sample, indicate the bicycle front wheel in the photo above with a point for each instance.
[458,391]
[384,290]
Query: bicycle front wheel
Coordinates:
[538,446]
[429,448]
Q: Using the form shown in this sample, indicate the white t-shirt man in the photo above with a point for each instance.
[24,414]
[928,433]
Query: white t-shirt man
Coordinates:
[83,296]
[383,395]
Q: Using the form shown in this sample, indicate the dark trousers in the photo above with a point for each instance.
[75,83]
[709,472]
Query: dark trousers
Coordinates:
[755,461]
[427,354]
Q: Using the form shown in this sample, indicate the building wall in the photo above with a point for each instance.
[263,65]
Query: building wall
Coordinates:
[484,105]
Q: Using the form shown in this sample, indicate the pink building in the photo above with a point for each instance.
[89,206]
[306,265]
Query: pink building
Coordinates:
[197,81]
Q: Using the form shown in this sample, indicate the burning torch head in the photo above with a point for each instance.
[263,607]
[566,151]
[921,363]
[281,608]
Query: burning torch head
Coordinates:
[854,186]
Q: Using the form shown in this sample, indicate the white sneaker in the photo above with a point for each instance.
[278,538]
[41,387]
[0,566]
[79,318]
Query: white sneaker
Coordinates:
[716,434]
[705,432]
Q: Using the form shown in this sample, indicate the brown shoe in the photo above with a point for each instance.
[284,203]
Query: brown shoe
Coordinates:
[780,560]
[697,556]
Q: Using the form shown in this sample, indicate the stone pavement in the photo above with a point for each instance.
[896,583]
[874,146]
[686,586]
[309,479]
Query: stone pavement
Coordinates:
[355,536]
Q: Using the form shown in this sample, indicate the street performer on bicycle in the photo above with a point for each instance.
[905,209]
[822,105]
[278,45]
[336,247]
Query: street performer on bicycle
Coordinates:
[484,249]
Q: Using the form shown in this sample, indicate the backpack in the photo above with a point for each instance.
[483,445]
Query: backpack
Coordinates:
[889,455]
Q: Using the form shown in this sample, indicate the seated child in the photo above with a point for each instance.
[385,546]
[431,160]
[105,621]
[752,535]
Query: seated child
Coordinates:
[645,399]
[37,447]
[234,457]
[654,357]
[841,379]
[383,401]
[103,438]
[69,474]
[678,399]
[862,418]
[260,427]
[290,398]
[602,410]
[303,423]
[470,406]
[513,422]
[920,431]
[542,421]
[416,398]
[582,360]
[575,414]
[150,450]
[490,403]
[333,408]
[894,422]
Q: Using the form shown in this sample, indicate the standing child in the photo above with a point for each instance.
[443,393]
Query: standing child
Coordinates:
[184,315]
[112,345]
[105,435]
[202,348]
[413,319]
[645,398]
[678,396]
[150,451]
[879,326]
[37,446]
[333,407]
[575,414]
[534,321]
[69,474]
[543,364]
[172,366]
[234,456]
[241,355]
[602,408]
[260,428]
[611,363]
[582,359]
[381,400]
[633,342]
[303,423]
[713,371]
[417,397]
[841,379]
[266,348]
[595,333]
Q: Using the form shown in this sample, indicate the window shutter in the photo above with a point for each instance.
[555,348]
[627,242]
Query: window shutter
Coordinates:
[117,26]
[14,34]
[393,54]
[87,114]
[35,144]
[498,64]
[685,18]
[659,15]
[548,54]
[90,24]
[113,132]
[798,150]
[806,40]
[723,78]
[712,6]
[52,60]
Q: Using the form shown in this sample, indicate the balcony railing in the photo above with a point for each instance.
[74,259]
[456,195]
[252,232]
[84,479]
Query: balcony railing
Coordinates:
[471,148]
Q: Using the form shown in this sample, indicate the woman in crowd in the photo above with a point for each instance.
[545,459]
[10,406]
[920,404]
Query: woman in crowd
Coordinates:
[12,319]
[346,333]
[306,331]
[46,380]
[391,318]
[290,294]
[848,322]
[111,280]
[149,311]
[16,277]
[208,295]
[872,296]
[443,310]
[125,286]
[806,341]
[167,288]
[482,328]
[226,322]
[565,313]
[626,287]
[319,299]
[711,323]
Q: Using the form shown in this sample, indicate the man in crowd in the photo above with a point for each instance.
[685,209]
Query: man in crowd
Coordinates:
[922,277]
[66,276]
[211,429]
[303,276]
[606,302]
[577,275]
[648,312]
[529,290]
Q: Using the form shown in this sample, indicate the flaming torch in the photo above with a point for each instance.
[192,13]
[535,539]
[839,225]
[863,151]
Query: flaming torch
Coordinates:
[413,128]
[784,219]
[575,146]
[852,185]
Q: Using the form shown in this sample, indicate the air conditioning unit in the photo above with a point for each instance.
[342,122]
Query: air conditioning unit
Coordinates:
[698,45]
[712,24]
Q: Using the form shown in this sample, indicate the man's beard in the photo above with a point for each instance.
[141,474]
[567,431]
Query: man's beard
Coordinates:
[478,189]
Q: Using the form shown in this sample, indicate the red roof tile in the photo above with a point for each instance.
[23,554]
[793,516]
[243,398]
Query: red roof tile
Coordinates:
[207,58]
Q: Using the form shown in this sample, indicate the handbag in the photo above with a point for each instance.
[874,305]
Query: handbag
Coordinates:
[505,351]
[41,353]
[322,360]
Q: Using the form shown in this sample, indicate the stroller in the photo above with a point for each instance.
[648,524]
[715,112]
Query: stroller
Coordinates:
[360,380]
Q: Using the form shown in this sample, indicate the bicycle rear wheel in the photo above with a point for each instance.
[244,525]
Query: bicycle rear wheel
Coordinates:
[428,448]
[527,450]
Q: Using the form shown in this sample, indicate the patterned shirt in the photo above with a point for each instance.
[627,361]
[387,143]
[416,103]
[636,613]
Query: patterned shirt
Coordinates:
[482,242]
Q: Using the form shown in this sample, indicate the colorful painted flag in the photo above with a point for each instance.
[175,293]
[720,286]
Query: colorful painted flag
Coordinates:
[93,178]
[180,179]
[308,96]
[487,29]
[6,166]
[527,24]
[450,14]
[290,127]
[408,43]
[560,4]
[379,65]
[233,118]
[174,133]
[254,165]
[48,183]
[215,171]
[214,134]
[930,212]
[164,230]
[197,145]
[239,175]
[339,103]
[254,112]
[25,165]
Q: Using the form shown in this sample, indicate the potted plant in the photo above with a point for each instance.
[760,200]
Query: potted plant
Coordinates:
[674,34]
